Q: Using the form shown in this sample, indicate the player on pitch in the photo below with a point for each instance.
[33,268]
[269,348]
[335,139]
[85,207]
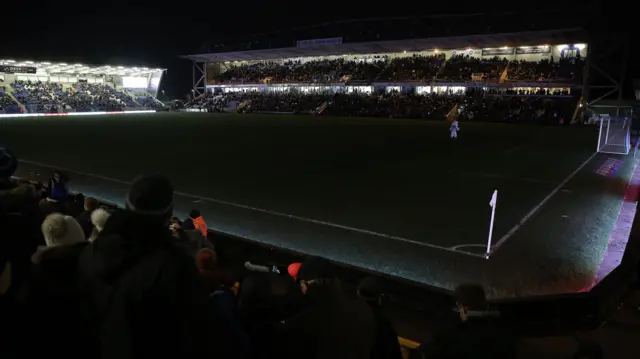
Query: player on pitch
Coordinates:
[454,129]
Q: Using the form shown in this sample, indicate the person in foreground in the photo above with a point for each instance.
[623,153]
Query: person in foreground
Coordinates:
[478,334]
[331,326]
[143,295]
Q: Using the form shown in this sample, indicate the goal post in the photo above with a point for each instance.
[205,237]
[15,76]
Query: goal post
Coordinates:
[615,134]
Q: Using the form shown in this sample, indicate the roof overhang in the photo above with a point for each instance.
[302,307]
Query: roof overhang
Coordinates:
[532,38]
[61,68]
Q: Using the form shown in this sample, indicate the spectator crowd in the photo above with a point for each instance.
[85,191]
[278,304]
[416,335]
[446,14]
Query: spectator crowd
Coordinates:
[424,68]
[38,96]
[542,106]
[81,280]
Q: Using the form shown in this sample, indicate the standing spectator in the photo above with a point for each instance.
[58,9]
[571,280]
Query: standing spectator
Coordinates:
[58,189]
[191,240]
[58,194]
[99,219]
[386,346]
[51,296]
[84,219]
[196,222]
[331,326]
[144,296]
[59,229]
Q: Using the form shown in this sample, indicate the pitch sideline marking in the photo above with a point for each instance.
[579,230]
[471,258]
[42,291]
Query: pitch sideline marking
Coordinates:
[274,213]
[538,206]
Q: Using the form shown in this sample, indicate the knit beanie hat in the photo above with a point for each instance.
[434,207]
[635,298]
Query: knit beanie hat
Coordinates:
[150,195]
[8,163]
[99,218]
[60,229]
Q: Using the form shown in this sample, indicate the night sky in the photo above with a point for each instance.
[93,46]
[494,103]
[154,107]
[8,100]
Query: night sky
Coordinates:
[154,33]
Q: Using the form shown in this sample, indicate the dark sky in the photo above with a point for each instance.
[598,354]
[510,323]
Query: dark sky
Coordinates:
[153,33]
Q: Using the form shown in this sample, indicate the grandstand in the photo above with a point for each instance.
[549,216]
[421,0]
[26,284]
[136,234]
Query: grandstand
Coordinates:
[416,73]
[34,87]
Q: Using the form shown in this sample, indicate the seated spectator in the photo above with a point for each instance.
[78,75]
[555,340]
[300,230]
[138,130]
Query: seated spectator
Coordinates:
[371,289]
[477,335]
[143,295]
[331,325]
[99,219]
[84,219]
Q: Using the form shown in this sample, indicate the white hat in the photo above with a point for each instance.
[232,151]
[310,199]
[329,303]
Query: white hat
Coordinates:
[99,218]
[60,229]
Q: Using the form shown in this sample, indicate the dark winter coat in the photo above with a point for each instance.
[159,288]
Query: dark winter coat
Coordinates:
[330,327]
[145,297]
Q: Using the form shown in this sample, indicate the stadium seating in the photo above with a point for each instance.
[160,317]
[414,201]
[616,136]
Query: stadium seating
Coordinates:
[461,68]
[40,96]
[456,68]
[566,69]
[477,105]
[412,68]
[7,104]
[143,98]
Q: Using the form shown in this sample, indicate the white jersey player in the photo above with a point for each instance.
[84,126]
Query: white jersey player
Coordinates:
[454,129]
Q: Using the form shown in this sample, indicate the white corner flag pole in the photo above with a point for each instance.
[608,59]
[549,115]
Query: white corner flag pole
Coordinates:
[492,203]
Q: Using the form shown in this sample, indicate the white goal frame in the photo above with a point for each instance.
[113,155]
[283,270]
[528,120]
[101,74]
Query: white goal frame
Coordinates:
[614,136]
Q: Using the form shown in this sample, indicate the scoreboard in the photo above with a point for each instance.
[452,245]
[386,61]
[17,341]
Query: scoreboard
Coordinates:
[17,69]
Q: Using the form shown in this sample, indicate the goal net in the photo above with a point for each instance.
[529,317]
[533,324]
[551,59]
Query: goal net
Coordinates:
[615,134]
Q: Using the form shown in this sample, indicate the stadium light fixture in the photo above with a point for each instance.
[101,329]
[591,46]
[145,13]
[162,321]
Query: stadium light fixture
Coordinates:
[46,63]
[10,61]
[28,62]
[505,47]
[121,67]
[78,65]
[436,51]
[62,64]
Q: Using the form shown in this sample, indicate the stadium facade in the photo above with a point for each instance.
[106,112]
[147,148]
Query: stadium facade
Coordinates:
[41,86]
[530,46]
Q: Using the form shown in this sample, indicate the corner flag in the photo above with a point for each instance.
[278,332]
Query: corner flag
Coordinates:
[494,199]
[492,204]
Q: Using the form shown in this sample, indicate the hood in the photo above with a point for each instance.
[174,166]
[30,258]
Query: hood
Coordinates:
[124,241]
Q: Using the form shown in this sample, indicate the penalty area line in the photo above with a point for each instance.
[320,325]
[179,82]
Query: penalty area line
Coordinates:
[535,209]
[261,210]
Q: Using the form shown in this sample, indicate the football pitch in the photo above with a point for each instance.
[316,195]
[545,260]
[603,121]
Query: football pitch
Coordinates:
[376,188]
